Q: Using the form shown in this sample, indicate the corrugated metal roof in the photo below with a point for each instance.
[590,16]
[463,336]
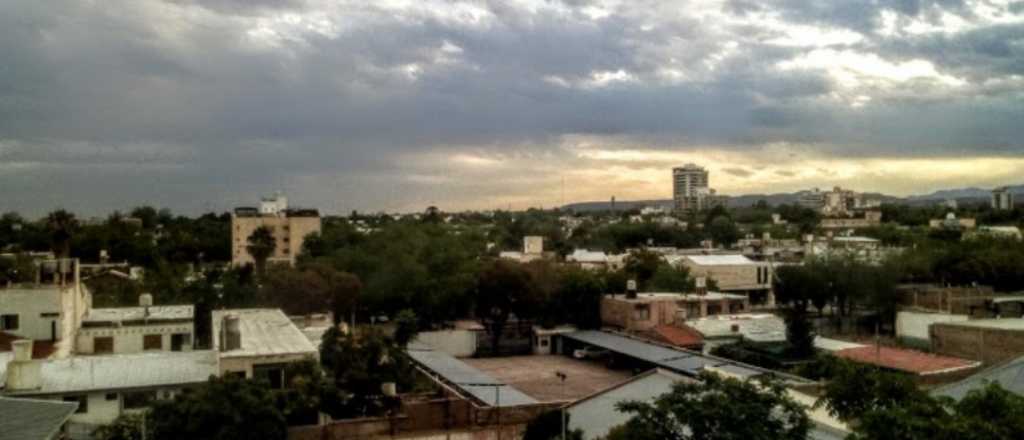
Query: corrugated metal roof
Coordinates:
[265,332]
[125,371]
[31,419]
[474,382]
[1009,375]
[627,346]
[681,361]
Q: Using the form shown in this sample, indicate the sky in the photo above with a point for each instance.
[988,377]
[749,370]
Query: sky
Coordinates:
[395,105]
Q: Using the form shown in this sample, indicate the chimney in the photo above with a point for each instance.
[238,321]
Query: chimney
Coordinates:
[631,289]
[231,336]
[146,301]
[23,373]
[702,285]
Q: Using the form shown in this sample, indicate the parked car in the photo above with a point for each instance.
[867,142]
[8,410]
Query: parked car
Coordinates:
[590,353]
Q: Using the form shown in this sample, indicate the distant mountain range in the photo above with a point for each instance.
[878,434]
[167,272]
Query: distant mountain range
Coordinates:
[961,195]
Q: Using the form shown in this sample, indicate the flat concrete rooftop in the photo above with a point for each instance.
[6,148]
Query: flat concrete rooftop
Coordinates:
[535,375]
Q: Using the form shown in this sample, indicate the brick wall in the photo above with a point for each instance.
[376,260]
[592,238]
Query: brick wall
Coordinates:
[988,345]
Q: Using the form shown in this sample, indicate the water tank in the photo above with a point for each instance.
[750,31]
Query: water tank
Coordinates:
[22,349]
[631,289]
[146,300]
[389,389]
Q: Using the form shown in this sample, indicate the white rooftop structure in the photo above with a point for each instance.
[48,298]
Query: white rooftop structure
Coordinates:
[720,260]
[123,314]
[587,256]
[81,374]
[829,344]
[763,327]
[264,332]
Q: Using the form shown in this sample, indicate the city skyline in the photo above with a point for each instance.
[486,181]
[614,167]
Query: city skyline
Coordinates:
[396,105]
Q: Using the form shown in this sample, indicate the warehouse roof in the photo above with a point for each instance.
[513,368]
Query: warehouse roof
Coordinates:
[32,419]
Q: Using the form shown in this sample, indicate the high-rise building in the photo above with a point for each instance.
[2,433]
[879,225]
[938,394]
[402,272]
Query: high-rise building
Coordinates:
[1002,199]
[690,190]
[288,226]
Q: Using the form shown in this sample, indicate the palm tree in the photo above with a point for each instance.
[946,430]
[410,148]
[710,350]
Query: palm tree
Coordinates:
[62,226]
[261,246]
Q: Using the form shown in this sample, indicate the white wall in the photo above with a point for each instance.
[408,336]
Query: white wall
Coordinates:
[458,343]
[129,339]
[29,304]
[914,326]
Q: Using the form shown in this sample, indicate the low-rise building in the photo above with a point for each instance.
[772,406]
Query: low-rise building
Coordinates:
[136,329]
[999,232]
[596,415]
[726,329]
[258,343]
[50,309]
[648,310]
[734,274]
[104,387]
[952,222]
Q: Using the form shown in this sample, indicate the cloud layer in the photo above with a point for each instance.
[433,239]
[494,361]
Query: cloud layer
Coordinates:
[394,105]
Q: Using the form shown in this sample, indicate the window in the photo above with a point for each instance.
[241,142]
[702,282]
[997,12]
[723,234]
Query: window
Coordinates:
[139,399]
[8,322]
[83,403]
[180,341]
[103,344]
[544,341]
[273,374]
[642,312]
[111,396]
[152,342]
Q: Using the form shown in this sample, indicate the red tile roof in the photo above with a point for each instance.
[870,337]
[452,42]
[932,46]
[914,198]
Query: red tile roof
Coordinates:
[681,336]
[910,361]
[40,349]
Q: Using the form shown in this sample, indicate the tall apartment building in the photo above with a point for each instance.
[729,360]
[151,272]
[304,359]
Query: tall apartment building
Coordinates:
[690,190]
[1002,199]
[289,227]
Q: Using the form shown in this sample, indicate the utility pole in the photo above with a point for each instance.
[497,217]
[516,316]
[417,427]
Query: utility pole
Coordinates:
[562,376]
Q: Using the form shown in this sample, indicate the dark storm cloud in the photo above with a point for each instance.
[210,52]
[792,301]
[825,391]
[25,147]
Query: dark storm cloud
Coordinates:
[249,96]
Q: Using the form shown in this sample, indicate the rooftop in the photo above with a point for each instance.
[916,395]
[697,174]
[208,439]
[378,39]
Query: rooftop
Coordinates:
[720,260]
[265,332]
[125,371]
[908,361]
[127,314]
[678,336]
[468,379]
[669,296]
[40,349]
[1009,375]
[535,375]
[756,327]
[33,419]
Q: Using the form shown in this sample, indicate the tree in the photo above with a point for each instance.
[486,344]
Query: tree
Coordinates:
[62,226]
[548,426]
[503,289]
[856,389]
[360,364]
[669,278]
[223,408]
[717,408]
[406,327]
[799,333]
[125,427]
[642,265]
[723,231]
[261,245]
